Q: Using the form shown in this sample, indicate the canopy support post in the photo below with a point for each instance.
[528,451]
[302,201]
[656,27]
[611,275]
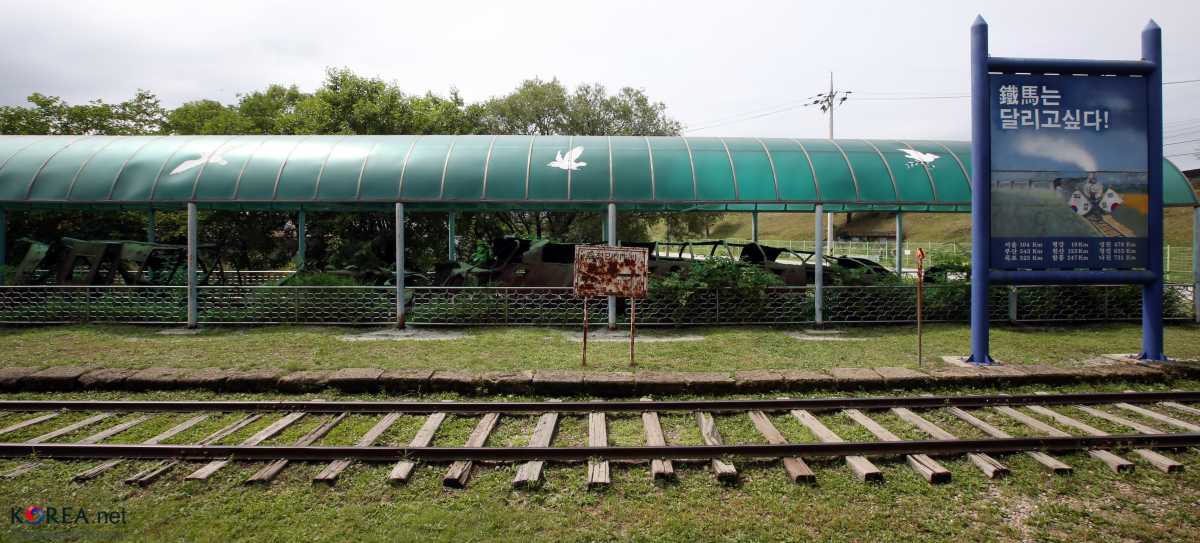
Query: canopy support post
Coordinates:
[829,231]
[611,226]
[301,240]
[151,227]
[819,264]
[899,244]
[452,236]
[754,226]
[399,265]
[193,225]
[3,242]
[1196,262]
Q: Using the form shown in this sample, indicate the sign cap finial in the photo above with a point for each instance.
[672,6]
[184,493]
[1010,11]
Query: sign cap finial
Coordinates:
[980,22]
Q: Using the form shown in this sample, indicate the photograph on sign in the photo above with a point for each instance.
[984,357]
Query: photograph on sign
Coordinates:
[610,271]
[1069,172]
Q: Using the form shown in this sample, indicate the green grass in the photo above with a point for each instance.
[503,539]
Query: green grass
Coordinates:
[722,349]
[918,227]
[1091,505]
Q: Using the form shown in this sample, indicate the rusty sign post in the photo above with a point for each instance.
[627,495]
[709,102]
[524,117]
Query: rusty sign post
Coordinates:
[611,271]
[920,298]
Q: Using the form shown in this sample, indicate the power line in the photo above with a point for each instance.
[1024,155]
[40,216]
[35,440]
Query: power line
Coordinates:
[824,99]
[946,97]
[731,121]
[1184,133]
[1182,142]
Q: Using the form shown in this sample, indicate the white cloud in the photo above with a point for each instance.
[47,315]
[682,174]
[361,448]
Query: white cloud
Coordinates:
[707,59]
[1057,148]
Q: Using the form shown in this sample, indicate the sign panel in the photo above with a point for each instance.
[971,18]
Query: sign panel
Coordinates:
[611,271]
[1069,172]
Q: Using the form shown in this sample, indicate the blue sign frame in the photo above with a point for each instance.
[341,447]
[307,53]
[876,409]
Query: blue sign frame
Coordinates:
[983,273]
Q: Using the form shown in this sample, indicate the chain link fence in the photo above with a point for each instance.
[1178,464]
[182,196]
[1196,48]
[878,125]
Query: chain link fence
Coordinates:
[479,306]
[68,304]
[301,305]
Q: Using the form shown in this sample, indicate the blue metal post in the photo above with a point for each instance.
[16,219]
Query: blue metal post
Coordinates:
[1152,292]
[981,197]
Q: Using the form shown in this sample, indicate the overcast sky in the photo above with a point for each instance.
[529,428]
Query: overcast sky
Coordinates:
[728,65]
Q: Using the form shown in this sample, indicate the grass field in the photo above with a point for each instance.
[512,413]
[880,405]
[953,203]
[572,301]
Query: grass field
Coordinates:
[1030,505]
[725,349]
[947,227]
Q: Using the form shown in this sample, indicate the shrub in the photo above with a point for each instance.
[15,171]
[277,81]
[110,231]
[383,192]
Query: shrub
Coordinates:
[746,280]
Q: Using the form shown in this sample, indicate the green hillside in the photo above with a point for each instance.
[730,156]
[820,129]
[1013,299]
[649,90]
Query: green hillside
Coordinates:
[945,227]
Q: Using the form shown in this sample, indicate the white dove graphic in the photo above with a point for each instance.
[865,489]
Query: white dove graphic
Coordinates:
[568,162]
[213,157]
[916,158]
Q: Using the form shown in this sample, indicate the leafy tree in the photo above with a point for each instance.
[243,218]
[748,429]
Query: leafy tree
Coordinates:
[142,114]
[347,103]
[208,117]
[546,108]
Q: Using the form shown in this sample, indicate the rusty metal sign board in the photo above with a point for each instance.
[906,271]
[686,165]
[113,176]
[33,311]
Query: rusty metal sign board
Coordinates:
[611,271]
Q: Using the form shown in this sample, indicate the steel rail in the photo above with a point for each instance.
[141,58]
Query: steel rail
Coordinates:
[411,407]
[443,454]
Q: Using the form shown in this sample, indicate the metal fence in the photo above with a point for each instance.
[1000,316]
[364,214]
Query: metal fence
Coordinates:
[478,306]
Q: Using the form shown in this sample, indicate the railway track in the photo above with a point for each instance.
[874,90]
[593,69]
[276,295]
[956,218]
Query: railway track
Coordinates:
[1149,422]
[1109,227]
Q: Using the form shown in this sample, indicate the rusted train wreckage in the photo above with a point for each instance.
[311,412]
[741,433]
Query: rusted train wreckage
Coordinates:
[71,261]
[515,262]
[520,262]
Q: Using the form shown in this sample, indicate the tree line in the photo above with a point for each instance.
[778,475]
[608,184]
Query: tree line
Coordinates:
[347,103]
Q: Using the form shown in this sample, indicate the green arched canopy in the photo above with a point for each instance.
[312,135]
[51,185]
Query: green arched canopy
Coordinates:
[495,172]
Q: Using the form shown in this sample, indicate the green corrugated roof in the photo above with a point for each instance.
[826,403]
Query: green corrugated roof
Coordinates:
[493,172]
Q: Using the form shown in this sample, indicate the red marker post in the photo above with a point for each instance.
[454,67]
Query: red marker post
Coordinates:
[920,298]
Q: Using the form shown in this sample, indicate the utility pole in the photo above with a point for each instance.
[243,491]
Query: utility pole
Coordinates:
[827,101]
[829,217]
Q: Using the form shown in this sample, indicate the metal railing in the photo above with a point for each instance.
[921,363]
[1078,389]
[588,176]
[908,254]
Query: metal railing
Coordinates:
[483,306]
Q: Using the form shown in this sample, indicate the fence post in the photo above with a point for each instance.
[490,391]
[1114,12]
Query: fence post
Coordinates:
[754,226]
[819,264]
[193,225]
[899,244]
